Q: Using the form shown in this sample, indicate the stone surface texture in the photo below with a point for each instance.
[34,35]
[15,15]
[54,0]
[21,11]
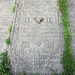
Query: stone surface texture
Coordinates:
[71,6]
[36,41]
[6,17]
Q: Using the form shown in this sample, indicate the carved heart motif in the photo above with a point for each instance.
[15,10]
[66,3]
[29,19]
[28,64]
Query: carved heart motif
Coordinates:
[39,19]
[38,43]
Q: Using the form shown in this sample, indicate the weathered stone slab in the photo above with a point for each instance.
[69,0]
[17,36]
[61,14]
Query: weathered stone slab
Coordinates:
[35,38]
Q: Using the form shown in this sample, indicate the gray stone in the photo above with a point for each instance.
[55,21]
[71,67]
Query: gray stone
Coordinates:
[71,5]
[6,16]
[36,43]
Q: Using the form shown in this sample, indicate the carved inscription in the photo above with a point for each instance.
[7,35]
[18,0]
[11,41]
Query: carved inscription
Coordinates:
[49,45]
[25,44]
[40,19]
[36,36]
[27,19]
[49,20]
[38,43]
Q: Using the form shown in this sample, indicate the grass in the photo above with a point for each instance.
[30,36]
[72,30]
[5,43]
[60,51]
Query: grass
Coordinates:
[68,61]
[8,41]
[14,9]
[35,74]
[4,64]
[10,29]
[22,74]
[31,74]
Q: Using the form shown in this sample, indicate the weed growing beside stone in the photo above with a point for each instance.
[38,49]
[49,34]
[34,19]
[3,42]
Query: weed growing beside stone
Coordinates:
[14,9]
[35,74]
[8,41]
[68,61]
[10,29]
[22,74]
[4,64]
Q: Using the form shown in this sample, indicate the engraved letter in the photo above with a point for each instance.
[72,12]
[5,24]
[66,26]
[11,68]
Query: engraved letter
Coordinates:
[27,19]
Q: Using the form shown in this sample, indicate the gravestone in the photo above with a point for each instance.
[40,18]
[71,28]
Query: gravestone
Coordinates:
[35,37]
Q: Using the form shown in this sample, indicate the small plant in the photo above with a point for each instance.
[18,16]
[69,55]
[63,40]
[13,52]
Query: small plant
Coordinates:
[10,29]
[4,64]
[35,74]
[14,9]
[8,41]
[22,74]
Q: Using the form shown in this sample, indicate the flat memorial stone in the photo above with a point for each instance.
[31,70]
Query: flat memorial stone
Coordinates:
[35,38]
